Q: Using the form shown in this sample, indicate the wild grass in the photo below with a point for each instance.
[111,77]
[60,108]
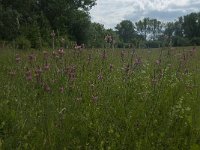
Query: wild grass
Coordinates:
[100,99]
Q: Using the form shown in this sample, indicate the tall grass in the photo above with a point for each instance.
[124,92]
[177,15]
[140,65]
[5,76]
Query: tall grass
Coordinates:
[100,99]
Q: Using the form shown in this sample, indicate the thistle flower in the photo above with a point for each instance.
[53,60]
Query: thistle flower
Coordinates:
[122,55]
[158,62]
[71,73]
[45,53]
[138,61]
[54,53]
[111,67]
[28,74]
[94,99]
[31,57]
[79,99]
[12,73]
[127,69]
[46,66]
[17,58]
[38,74]
[100,77]
[62,89]
[103,55]
[38,71]
[61,52]
[89,58]
[47,88]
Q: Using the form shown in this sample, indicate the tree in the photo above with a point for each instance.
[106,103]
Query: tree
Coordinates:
[126,31]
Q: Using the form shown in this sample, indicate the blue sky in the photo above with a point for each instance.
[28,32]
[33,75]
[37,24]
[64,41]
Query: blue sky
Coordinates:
[111,12]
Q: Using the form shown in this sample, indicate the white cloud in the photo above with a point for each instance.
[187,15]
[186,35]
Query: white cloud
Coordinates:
[111,12]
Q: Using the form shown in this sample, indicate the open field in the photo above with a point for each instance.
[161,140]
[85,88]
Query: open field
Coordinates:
[100,99]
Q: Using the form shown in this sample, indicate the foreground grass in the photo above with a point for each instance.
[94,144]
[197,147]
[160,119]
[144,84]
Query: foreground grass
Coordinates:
[99,99]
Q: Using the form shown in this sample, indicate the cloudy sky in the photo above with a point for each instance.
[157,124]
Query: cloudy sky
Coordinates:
[111,12]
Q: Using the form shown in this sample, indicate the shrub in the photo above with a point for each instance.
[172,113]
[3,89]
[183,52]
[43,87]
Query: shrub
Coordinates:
[23,43]
[153,44]
[195,41]
[181,41]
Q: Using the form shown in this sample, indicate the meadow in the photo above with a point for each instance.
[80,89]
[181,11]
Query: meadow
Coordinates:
[100,99]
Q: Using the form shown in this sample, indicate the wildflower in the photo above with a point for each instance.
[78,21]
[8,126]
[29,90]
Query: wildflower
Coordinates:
[17,58]
[46,66]
[103,55]
[111,67]
[31,57]
[62,89]
[127,69]
[47,88]
[158,61]
[61,52]
[29,75]
[12,73]
[38,74]
[45,53]
[138,61]
[100,77]
[79,99]
[38,71]
[89,58]
[94,98]
[71,73]
[122,55]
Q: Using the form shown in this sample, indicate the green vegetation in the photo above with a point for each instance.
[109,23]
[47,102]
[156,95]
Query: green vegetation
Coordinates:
[100,99]
[84,92]
[35,20]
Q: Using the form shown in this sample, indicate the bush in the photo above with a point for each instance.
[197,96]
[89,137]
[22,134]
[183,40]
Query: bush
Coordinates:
[195,41]
[23,43]
[153,44]
[181,41]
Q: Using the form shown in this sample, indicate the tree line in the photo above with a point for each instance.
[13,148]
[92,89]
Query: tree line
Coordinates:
[34,23]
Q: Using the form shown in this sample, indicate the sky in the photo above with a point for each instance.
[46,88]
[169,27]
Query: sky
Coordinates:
[111,12]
